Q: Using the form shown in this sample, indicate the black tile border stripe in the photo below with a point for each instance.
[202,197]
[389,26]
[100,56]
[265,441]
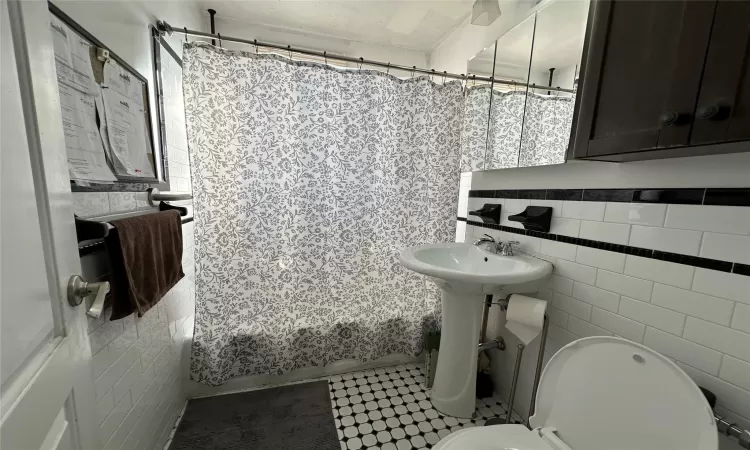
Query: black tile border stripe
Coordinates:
[692,196]
[695,261]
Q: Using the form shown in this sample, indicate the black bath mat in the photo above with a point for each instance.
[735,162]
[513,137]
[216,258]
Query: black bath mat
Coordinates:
[297,416]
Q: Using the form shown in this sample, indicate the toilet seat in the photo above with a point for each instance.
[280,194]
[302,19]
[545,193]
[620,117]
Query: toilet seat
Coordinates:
[605,393]
[494,437]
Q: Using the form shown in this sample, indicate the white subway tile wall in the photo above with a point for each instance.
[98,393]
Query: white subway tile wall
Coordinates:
[604,231]
[726,246]
[635,213]
[138,364]
[696,316]
[583,210]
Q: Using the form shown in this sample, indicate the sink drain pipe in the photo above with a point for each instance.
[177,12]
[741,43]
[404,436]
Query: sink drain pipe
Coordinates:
[499,343]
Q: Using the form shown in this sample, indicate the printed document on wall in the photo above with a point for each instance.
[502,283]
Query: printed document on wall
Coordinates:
[116,164]
[72,58]
[126,122]
[83,144]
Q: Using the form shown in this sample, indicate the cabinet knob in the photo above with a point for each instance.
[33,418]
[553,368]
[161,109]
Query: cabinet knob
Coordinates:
[674,118]
[716,111]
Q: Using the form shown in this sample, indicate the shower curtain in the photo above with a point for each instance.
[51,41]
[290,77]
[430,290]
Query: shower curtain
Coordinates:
[506,126]
[307,182]
[528,129]
[546,130]
[474,128]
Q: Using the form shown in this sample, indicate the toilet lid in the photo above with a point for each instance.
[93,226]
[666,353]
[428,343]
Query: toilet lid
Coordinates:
[611,393]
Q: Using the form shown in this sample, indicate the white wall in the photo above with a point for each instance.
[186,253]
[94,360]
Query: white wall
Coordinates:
[139,364]
[698,317]
[468,40]
[308,41]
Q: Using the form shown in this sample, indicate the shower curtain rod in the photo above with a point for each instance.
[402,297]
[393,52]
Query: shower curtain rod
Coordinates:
[164,27]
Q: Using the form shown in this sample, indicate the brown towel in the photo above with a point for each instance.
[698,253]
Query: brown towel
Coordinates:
[145,256]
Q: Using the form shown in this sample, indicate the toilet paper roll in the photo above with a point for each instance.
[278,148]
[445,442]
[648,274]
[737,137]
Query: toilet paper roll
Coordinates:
[525,317]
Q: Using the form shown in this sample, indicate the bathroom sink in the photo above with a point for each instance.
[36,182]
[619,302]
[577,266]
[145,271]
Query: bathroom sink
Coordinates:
[466,274]
[469,268]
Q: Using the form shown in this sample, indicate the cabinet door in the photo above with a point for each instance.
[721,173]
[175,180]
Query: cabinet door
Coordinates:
[723,111]
[642,75]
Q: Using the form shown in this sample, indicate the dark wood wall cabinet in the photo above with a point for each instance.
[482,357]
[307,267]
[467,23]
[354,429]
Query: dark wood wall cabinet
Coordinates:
[664,79]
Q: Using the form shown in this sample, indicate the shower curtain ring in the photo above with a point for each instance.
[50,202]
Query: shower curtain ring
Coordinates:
[413,69]
[289,49]
[325,57]
[445,73]
[219,34]
[361,61]
[432,74]
[185,34]
[388,69]
[255,41]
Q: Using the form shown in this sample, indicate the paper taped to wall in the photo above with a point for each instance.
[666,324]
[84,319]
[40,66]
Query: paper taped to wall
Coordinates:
[72,58]
[122,97]
[83,144]
[122,82]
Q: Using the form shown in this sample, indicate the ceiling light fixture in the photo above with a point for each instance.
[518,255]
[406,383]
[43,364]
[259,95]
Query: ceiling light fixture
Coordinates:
[485,12]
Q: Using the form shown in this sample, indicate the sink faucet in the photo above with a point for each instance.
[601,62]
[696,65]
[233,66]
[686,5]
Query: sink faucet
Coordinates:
[506,249]
[489,244]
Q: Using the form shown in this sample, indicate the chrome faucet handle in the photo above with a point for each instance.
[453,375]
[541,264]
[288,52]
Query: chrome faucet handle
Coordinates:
[492,245]
[507,248]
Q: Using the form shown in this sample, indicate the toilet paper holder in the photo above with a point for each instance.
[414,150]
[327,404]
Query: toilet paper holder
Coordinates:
[539,362]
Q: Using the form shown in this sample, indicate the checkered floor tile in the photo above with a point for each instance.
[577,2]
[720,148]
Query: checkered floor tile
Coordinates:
[390,409]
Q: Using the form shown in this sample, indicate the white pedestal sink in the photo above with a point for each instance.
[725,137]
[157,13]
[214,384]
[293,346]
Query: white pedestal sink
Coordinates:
[466,273]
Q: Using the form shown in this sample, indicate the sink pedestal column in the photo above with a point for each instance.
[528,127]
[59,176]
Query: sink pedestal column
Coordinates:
[454,390]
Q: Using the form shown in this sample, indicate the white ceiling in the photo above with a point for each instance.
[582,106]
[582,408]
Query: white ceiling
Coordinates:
[416,25]
[558,39]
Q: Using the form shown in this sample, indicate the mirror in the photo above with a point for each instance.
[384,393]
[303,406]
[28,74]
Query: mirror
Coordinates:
[476,110]
[509,88]
[531,101]
[555,63]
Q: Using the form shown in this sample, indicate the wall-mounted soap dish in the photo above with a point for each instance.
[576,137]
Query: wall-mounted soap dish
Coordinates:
[535,218]
[489,213]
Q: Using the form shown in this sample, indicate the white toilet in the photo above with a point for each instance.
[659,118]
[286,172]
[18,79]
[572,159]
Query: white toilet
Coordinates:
[605,393]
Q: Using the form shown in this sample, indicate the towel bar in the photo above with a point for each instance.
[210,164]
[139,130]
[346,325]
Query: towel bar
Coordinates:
[154,196]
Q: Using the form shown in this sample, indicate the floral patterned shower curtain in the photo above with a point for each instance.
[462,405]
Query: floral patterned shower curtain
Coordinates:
[307,181]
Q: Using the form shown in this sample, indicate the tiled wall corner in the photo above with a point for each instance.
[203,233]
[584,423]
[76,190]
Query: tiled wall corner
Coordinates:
[698,317]
[138,363]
